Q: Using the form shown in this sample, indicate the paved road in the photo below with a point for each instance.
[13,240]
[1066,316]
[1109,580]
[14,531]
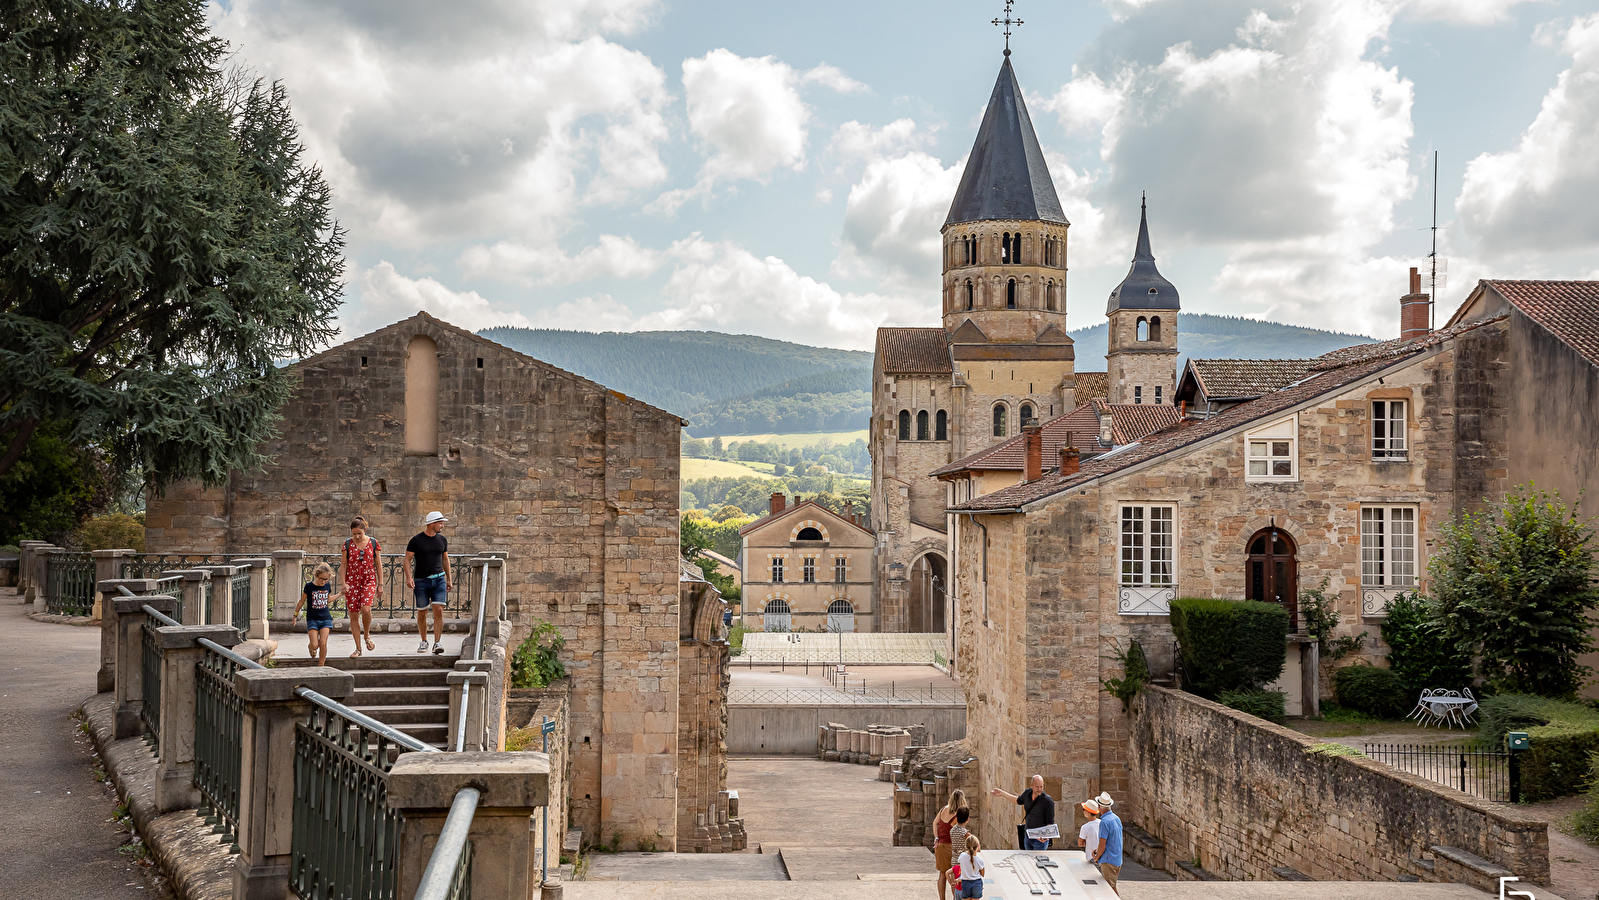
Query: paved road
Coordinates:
[58,839]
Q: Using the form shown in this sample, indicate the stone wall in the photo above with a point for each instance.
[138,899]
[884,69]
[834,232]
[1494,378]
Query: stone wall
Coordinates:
[1240,797]
[527,708]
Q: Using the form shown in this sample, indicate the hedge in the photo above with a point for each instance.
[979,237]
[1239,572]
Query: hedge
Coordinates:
[1377,692]
[1229,645]
[1268,705]
[1564,737]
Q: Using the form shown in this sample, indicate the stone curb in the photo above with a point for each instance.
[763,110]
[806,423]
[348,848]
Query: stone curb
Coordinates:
[194,860]
[58,619]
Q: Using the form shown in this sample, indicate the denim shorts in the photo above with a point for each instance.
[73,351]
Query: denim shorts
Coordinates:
[429,592]
[971,888]
[314,622]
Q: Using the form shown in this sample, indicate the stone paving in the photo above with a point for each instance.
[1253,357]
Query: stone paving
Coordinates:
[60,839]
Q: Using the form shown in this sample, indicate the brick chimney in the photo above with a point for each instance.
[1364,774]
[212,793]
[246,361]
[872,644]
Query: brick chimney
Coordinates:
[1070,460]
[1415,310]
[1033,441]
[779,503]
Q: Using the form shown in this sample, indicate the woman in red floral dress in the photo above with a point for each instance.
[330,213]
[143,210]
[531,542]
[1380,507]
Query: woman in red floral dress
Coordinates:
[362,577]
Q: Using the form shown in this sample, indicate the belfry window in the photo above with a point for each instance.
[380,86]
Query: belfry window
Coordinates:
[904,424]
[921,425]
[1154,328]
[1010,294]
[968,295]
[1000,416]
[1016,248]
[1027,414]
[1049,296]
[1004,249]
[941,426]
[1143,328]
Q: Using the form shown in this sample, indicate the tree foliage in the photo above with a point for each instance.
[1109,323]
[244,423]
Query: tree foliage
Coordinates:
[1418,651]
[53,487]
[162,244]
[1514,587]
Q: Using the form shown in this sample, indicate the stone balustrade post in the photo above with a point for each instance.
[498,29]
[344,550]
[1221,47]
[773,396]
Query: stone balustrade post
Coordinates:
[129,616]
[256,629]
[180,652]
[40,579]
[25,570]
[514,786]
[107,568]
[286,586]
[266,792]
[477,692]
[192,587]
[219,600]
[493,598]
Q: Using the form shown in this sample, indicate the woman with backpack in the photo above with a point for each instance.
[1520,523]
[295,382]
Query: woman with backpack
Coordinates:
[363,575]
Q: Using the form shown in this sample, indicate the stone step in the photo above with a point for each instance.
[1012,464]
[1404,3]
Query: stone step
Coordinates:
[374,678]
[413,661]
[429,694]
[435,734]
[407,714]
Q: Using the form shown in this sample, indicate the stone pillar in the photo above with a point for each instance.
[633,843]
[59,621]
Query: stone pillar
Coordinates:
[25,570]
[220,597]
[191,590]
[180,651]
[39,580]
[107,568]
[266,771]
[286,586]
[128,617]
[514,786]
[477,684]
[493,599]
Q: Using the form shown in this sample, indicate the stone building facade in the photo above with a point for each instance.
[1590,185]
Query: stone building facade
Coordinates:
[577,482]
[1057,574]
[807,568]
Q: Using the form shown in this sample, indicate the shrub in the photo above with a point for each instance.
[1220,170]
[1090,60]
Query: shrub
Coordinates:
[1321,615]
[1418,649]
[1586,820]
[1264,704]
[1229,645]
[1564,737]
[1135,673]
[1377,692]
[537,661]
[114,531]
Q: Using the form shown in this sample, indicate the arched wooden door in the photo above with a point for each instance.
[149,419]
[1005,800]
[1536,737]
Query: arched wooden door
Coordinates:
[1272,575]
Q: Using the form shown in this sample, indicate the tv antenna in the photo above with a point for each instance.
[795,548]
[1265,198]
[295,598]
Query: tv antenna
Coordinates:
[1438,269]
[1008,22]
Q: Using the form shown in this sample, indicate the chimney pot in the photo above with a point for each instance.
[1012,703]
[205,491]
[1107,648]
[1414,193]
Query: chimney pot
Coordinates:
[779,503]
[1070,460]
[1415,280]
[1415,310]
[1033,464]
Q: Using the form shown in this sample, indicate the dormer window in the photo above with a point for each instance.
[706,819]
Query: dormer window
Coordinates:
[1273,452]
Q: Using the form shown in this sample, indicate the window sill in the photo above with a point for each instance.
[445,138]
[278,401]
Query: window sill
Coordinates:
[1270,479]
[1390,459]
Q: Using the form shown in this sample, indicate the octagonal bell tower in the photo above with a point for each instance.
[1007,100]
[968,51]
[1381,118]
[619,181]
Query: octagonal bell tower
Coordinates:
[1143,309]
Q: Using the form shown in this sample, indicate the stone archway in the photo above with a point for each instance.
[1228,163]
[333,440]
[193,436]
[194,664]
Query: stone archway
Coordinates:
[928,582]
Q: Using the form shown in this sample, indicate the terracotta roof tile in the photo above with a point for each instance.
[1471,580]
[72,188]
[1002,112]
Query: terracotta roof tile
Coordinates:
[1567,309]
[1246,379]
[1329,375]
[1078,428]
[913,351]
[1093,386]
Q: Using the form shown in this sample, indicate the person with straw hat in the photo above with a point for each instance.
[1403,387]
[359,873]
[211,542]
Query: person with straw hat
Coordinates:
[1109,854]
[1088,835]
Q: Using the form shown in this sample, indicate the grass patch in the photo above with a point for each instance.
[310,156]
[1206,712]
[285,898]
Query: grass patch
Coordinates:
[792,440]
[695,469]
[1332,750]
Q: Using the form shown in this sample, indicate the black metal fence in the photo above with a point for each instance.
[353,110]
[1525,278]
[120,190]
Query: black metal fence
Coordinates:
[218,743]
[1490,774]
[150,675]
[69,584]
[239,585]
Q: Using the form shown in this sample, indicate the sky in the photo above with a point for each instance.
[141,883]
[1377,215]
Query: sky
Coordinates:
[783,169]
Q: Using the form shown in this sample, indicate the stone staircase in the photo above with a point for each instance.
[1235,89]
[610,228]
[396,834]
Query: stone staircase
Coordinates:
[406,692]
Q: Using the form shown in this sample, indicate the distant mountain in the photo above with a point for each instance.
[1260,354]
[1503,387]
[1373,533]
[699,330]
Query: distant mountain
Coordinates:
[730,384]
[679,371]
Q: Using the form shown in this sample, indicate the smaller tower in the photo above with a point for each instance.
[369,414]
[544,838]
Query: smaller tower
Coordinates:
[1142,361]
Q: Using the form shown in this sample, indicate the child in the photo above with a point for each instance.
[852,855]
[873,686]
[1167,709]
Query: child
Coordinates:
[317,599]
[972,868]
[958,832]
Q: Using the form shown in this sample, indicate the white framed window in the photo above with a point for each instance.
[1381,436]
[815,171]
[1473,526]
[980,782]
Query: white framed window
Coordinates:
[777,570]
[1388,546]
[1388,430]
[840,569]
[1272,452]
[808,570]
[1148,544]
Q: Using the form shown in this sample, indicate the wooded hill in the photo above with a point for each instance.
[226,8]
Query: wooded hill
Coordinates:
[729,384]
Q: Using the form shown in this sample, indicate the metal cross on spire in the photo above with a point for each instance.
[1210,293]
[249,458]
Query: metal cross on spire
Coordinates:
[1008,22]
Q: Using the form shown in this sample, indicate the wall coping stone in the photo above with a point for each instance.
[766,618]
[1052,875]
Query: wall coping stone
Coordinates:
[1471,861]
[288,554]
[268,685]
[472,678]
[129,605]
[183,637]
[508,780]
[110,585]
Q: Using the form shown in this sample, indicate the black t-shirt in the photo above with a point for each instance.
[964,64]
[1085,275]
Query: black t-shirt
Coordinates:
[429,552]
[1040,809]
[319,597]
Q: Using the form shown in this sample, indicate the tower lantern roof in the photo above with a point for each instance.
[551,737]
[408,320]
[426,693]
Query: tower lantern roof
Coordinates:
[1144,287]
[1006,176]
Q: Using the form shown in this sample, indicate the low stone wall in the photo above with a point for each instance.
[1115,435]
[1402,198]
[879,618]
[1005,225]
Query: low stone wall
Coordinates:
[869,746]
[780,729]
[1244,799]
[526,708]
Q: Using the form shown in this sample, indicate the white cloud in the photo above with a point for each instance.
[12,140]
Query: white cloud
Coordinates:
[857,142]
[600,313]
[438,122]
[1464,12]
[833,78]
[1539,196]
[748,110]
[892,221]
[387,297]
[516,263]
[1085,103]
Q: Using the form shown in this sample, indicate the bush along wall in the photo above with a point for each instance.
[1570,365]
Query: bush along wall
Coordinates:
[1564,737]
[1377,692]
[1229,645]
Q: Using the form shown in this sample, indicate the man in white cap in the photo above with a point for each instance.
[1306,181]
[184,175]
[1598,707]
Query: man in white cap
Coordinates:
[1109,854]
[427,573]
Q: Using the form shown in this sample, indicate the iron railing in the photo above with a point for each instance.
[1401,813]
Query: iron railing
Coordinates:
[1489,774]
[394,600]
[150,707]
[69,583]
[219,738]
[448,875]
[151,565]
[890,693]
[240,586]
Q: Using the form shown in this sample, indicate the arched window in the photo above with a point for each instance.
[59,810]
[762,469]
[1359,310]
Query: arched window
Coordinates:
[778,617]
[968,294]
[1027,414]
[1000,415]
[1273,572]
[971,249]
[1010,294]
[809,533]
[941,426]
[840,617]
[1154,328]
[921,425]
[1049,296]
[1143,328]
[1004,249]
[422,397]
[904,424]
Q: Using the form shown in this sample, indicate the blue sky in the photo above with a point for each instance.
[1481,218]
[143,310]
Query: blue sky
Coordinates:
[783,169]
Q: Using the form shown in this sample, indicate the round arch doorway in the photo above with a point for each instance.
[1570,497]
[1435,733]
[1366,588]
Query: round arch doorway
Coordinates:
[1272,572]
[928,583]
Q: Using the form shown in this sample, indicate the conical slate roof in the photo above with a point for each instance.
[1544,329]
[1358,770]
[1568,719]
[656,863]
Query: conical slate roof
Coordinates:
[1006,177]
[1144,287]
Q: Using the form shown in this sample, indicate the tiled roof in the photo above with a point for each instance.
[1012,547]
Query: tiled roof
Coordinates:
[813,506]
[1568,309]
[1329,375]
[913,351]
[1092,386]
[1246,379]
[1078,428]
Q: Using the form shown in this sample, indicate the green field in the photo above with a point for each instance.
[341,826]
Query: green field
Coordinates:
[789,441]
[694,469]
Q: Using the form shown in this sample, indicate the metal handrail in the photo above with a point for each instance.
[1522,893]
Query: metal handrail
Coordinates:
[477,653]
[227,654]
[398,737]
[440,878]
[158,615]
